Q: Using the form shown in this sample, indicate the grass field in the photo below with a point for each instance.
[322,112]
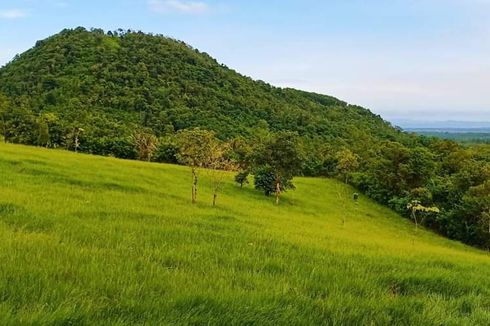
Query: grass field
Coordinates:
[92,240]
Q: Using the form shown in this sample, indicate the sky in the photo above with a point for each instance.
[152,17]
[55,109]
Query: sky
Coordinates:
[403,59]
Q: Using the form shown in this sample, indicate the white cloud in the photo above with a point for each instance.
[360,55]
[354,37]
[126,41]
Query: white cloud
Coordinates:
[12,14]
[180,6]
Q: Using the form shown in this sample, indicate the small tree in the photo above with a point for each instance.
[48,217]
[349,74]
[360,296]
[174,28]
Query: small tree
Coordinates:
[242,178]
[416,208]
[73,138]
[282,155]
[195,150]
[146,144]
[240,151]
[219,161]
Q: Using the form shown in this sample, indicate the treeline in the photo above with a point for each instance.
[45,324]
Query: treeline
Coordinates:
[434,173]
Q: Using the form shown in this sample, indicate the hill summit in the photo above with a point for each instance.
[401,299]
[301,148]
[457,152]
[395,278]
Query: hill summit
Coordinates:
[111,83]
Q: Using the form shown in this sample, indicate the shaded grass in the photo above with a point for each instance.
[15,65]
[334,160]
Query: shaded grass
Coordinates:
[92,240]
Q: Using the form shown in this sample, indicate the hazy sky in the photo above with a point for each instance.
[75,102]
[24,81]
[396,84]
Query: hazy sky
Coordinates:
[403,59]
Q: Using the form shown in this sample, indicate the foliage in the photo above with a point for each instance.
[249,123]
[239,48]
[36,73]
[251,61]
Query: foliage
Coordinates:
[146,145]
[196,147]
[280,157]
[167,150]
[265,180]
[220,160]
[197,150]
[347,162]
[242,178]
[416,208]
[115,83]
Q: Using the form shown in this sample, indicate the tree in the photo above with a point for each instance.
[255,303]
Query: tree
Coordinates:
[219,161]
[416,207]
[73,137]
[265,180]
[242,178]
[146,143]
[195,150]
[240,151]
[347,162]
[282,155]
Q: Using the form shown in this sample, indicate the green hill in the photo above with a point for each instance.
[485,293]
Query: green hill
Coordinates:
[110,84]
[93,240]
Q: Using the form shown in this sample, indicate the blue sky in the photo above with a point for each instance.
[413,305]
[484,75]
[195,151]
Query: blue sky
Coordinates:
[403,59]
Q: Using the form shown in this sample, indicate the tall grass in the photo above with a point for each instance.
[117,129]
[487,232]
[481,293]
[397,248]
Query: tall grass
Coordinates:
[92,240]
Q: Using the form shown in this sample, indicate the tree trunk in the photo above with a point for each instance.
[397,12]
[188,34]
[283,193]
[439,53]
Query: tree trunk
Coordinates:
[214,198]
[415,220]
[278,190]
[194,186]
[76,143]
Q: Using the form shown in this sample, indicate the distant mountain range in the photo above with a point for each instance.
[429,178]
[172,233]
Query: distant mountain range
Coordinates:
[444,126]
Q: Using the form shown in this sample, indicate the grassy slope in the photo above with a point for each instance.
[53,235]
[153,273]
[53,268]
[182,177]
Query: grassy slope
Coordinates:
[91,240]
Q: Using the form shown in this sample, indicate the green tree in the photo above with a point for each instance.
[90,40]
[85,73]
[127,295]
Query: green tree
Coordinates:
[416,209]
[240,153]
[266,181]
[146,144]
[219,161]
[195,150]
[242,178]
[282,155]
[73,137]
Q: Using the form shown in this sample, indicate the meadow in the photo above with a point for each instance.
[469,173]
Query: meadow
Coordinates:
[88,240]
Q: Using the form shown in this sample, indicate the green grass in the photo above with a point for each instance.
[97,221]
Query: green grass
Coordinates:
[92,240]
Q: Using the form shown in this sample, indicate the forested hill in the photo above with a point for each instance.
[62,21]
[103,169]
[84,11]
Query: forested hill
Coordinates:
[130,95]
[111,83]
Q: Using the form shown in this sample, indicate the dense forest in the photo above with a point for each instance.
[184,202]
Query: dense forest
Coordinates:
[140,96]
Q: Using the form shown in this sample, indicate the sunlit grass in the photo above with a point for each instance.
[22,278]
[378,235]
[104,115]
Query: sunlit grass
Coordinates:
[91,240]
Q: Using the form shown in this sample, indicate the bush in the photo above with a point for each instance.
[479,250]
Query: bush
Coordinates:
[242,178]
[166,151]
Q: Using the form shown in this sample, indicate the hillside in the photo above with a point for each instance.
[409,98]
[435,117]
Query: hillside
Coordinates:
[131,95]
[93,240]
[110,84]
